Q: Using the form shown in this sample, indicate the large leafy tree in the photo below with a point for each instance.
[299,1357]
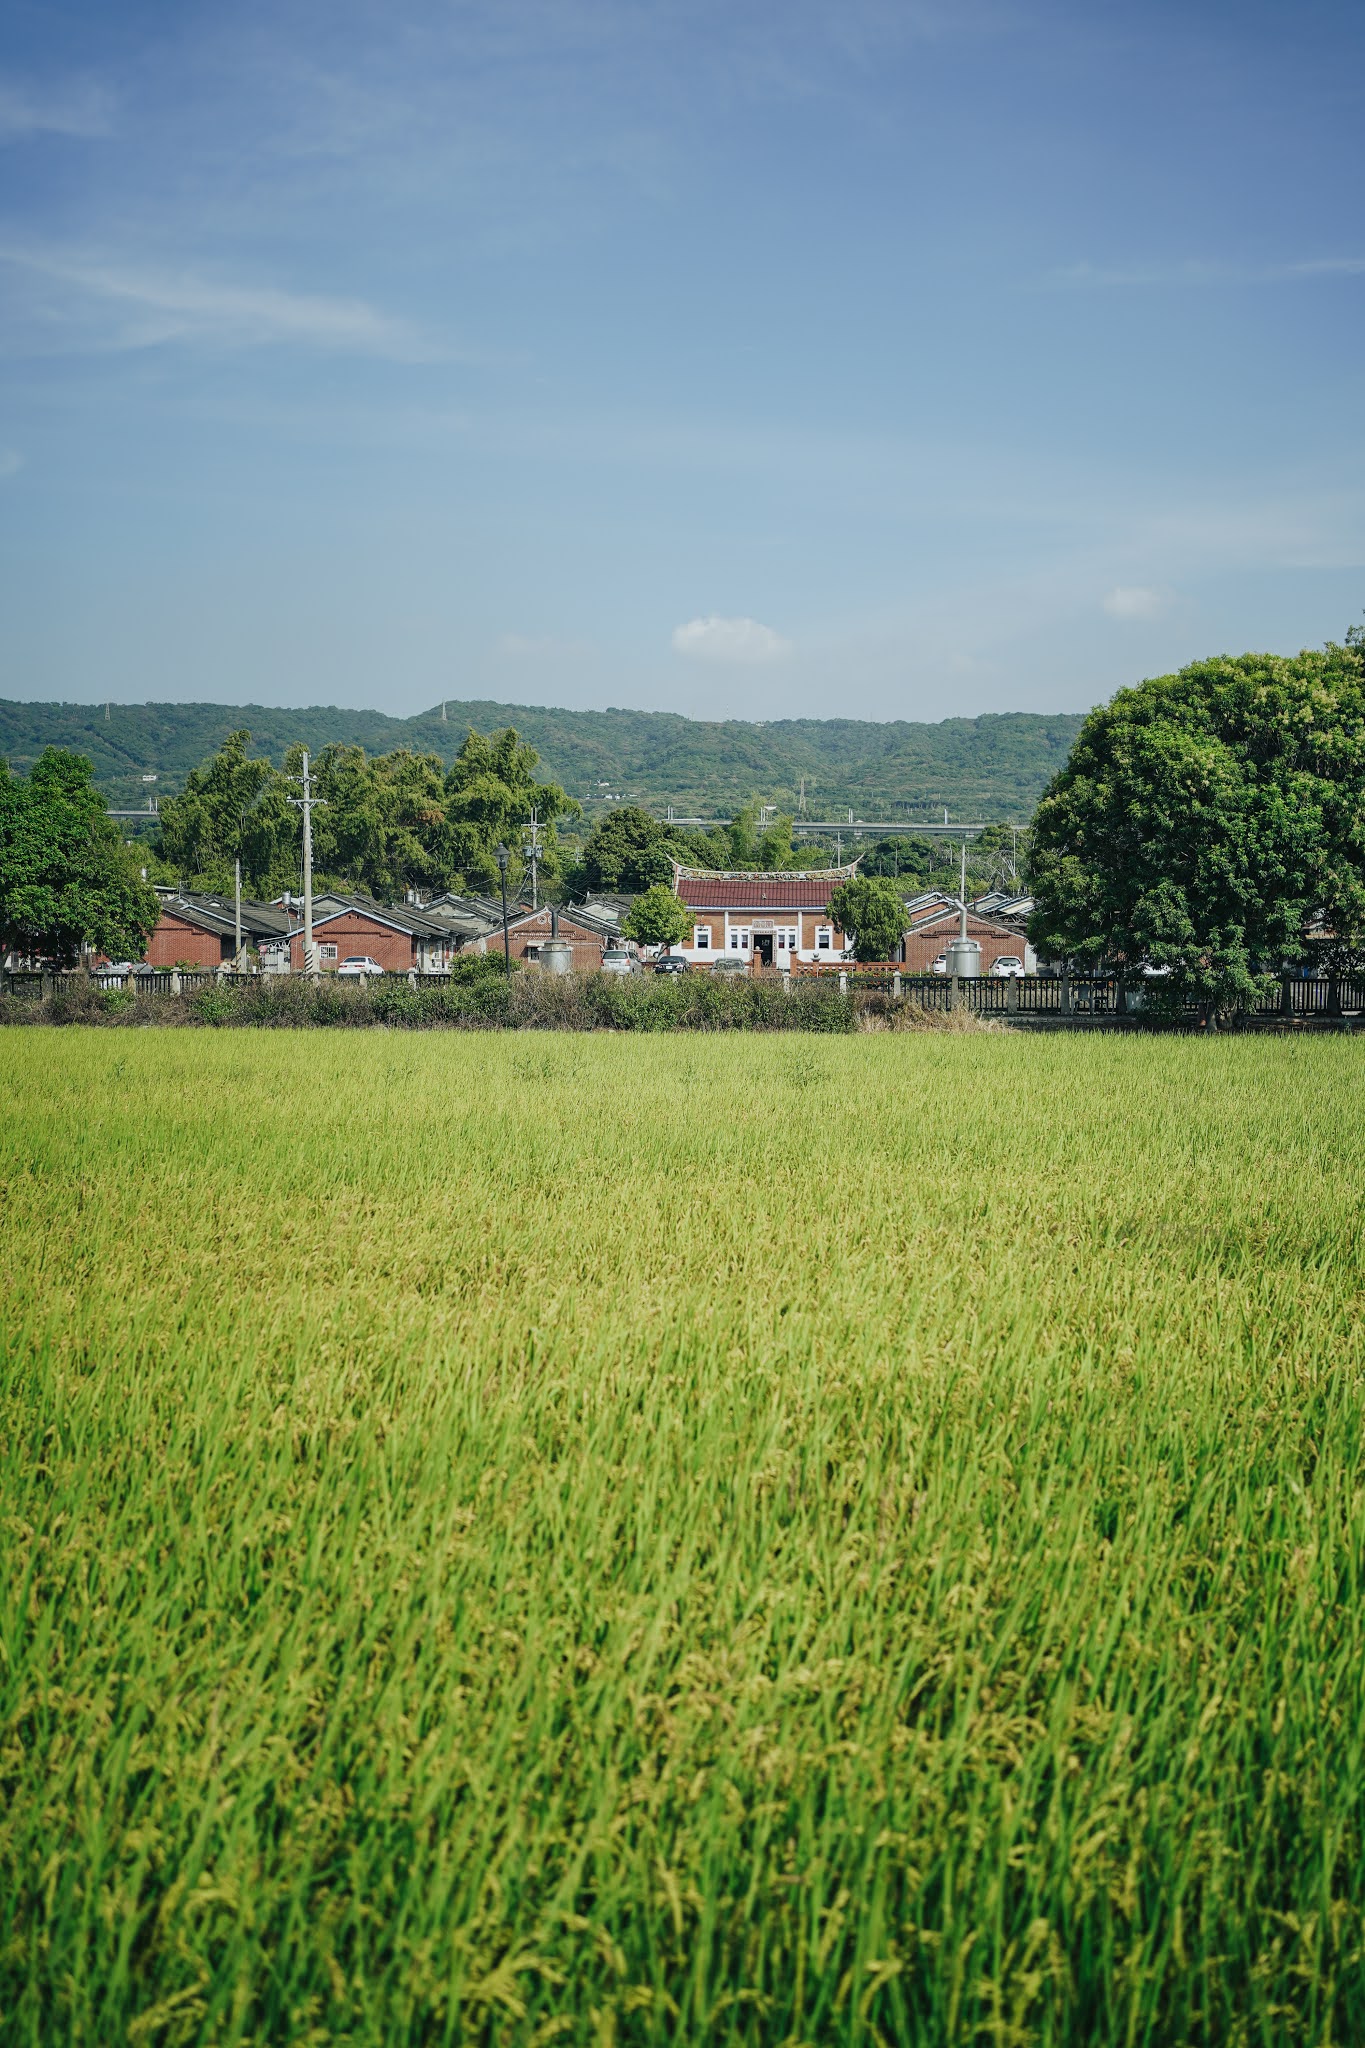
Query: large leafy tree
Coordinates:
[1208,821]
[657,918]
[381,826]
[872,911]
[232,806]
[631,851]
[66,878]
[490,793]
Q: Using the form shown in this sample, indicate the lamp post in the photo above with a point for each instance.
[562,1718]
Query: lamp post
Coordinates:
[501,858]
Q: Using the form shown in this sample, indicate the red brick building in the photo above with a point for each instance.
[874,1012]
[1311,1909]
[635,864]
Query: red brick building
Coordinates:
[769,919]
[529,929]
[397,938]
[934,932]
[201,930]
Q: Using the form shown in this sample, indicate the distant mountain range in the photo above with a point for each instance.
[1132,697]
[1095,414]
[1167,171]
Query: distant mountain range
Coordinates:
[982,769]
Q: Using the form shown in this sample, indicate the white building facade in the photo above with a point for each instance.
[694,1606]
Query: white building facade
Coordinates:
[769,919]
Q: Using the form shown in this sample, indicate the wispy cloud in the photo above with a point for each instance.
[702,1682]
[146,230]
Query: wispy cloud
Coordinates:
[1134,601]
[115,305]
[742,640]
[81,108]
[1199,271]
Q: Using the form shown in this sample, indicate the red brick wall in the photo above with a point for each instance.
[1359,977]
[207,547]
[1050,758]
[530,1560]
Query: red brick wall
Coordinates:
[353,933]
[535,930]
[174,939]
[923,948]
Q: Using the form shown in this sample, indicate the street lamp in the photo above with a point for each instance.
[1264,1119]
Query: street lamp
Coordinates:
[501,857]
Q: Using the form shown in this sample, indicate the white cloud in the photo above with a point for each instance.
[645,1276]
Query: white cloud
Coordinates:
[743,640]
[10,461]
[1134,601]
[82,109]
[157,306]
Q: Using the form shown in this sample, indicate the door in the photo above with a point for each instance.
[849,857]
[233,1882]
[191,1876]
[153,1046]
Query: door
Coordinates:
[763,948]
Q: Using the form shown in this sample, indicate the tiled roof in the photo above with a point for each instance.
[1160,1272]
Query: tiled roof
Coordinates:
[770,890]
[216,913]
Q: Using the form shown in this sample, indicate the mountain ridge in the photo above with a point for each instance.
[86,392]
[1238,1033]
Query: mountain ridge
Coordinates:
[994,766]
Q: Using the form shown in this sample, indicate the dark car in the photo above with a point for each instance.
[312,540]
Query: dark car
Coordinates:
[670,963]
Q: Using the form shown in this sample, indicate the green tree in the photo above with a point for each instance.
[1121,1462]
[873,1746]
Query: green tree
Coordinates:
[872,912]
[232,806]
[490,792]
[901,857]
[628,850]
[382,827]
[657,918]
[66,878]
[1207,820]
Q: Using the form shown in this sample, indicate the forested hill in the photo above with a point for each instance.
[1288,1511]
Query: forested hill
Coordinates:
[986,768]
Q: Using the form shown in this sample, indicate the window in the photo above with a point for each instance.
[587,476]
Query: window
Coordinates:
[533,952]
[326,952]
[824,938]
[701,938]
[739,938]
[786,940]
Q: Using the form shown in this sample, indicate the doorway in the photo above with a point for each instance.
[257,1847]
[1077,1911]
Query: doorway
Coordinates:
[763,948]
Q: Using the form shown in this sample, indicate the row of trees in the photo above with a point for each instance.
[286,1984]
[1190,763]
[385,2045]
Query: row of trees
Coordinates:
[387,822]
[393,822]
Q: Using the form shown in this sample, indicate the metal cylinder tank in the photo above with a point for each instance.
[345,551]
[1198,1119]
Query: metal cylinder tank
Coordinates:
[964,959]
[556,957]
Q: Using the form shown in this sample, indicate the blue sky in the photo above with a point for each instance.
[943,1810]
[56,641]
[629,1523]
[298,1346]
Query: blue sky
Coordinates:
[887,360]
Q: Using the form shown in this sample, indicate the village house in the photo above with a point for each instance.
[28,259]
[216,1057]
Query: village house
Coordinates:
[397,937]
[934,921]
[200,930]
[768,919]
[529,929]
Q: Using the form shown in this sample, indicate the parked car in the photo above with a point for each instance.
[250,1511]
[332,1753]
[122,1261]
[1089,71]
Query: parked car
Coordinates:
[616,960]
[730,963]
[1009,967]
[357,966]
[670,963]
[939,966]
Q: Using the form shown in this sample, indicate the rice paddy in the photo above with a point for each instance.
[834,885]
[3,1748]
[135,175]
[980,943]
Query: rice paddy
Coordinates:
[681,1539]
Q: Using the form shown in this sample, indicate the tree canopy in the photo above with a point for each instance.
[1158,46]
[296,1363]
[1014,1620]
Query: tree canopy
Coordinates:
[490,793]
[871,911]
[380,827]
[629,850]
[1207,821]
[385,823]
[657,918]
[66,878]
[232,807]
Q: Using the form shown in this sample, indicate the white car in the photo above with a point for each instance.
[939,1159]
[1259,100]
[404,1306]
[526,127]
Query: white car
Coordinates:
[1009,967]
[939,966]
[616,960]
[358,966]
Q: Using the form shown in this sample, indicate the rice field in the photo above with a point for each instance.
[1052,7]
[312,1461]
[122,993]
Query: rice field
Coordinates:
[720,1539]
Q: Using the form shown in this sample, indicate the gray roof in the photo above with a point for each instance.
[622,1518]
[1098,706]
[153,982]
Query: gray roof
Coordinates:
[216,913]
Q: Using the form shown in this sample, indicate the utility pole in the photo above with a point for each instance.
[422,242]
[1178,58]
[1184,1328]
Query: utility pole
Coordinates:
[305,803]
[531,853]
[237,909]
[500,856]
